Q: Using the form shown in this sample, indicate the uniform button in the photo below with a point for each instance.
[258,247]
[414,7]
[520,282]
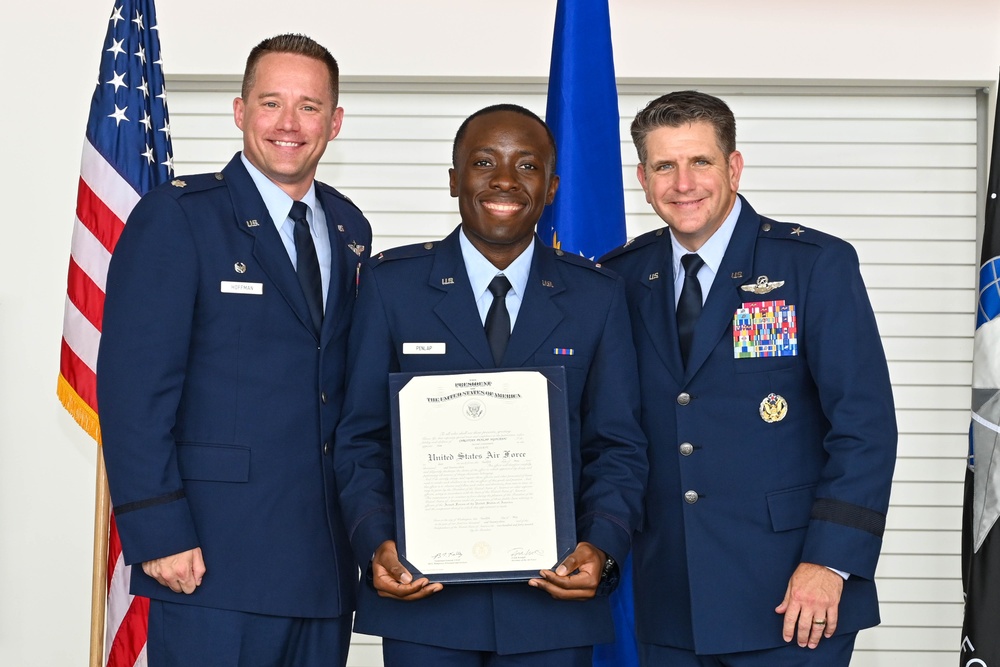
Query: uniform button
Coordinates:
[683,398]
[691,497]
[686,449]
[322,397]
[326,448]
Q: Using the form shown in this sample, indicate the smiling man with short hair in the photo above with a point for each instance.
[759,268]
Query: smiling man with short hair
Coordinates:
[220,379]
[558,310]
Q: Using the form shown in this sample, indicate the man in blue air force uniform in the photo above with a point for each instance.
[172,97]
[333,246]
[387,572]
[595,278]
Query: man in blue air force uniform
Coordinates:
[221,374]
[563,311]
[767,404]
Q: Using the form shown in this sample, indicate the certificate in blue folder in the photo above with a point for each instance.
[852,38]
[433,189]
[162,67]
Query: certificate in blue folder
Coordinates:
[483,473]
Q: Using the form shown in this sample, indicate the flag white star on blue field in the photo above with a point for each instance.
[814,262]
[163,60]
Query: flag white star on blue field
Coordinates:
[126,152]
[127,125]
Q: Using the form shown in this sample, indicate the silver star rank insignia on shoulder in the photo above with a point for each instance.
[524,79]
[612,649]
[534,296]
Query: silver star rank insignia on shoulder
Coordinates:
[762,286]
[797,231]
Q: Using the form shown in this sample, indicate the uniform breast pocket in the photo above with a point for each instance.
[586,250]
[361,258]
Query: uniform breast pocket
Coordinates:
[213,463]
[765,337]
[236,303]
[577,367]
[765,364]
[570,359]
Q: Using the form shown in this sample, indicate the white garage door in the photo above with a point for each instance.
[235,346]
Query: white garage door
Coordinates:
[893,170]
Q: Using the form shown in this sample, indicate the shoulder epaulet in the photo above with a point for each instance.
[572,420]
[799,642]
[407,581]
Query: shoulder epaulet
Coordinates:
[182,185]
[580,260]
[637,242]
[329,189]
[405,252]
[773,229]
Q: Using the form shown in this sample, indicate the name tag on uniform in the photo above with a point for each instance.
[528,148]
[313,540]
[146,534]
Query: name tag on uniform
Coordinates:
[230,287]
[423,348]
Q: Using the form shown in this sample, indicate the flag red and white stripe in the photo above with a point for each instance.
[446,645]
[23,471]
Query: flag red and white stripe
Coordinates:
[127,151]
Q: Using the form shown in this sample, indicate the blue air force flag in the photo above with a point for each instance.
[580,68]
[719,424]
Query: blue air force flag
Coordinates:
[588,214]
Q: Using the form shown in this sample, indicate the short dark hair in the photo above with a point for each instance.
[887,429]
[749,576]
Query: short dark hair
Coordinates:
[497,108]
[298,45]
[681,108]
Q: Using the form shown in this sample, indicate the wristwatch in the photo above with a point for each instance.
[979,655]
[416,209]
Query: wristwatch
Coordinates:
[609,567]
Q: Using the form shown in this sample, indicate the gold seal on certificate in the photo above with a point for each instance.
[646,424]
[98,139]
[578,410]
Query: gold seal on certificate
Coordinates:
[483,477]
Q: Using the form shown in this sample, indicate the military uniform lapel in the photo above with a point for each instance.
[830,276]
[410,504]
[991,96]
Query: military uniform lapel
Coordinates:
[539,314]
[716,318]
[656,306]
[252,218]
[345,264]
[457,307]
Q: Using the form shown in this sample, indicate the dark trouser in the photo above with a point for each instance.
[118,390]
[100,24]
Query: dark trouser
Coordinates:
[833,652]
[397,653]
[182,635]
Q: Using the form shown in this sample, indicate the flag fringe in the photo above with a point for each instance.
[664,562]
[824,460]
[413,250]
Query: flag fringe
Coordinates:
[78,409]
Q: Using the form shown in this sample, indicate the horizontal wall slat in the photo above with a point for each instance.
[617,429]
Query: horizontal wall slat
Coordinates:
[930,591]
[920,493]
[934,445]
[915,301]
[856,179]
[919,349]
[912,469]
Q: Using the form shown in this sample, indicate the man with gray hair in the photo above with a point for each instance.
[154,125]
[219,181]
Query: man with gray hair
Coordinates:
[767,405]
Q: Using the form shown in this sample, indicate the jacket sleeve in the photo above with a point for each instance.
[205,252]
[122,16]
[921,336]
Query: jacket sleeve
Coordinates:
[363,455]
[612,446]
[146,333]
[847,362]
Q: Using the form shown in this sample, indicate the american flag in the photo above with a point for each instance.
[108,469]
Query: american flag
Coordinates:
[127,151]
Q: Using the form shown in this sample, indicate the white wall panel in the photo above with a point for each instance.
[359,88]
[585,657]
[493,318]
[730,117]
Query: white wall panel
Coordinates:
[895,173]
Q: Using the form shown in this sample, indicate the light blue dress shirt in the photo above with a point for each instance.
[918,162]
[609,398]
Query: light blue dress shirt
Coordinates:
[711,252]
[279,205]
[481,272]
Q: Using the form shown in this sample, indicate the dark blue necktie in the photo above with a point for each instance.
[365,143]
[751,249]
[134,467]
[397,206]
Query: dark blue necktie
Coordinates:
[689,305]
[498,319]
[307,265]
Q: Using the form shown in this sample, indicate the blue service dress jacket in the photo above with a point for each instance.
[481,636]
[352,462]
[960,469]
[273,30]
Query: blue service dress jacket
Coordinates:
[218,398]
[757,463]
[421,293]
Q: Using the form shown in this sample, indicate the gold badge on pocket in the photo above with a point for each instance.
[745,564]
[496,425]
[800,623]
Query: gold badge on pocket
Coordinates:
[773,408]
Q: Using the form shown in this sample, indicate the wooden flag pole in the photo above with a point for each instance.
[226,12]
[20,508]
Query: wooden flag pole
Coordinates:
[99,584]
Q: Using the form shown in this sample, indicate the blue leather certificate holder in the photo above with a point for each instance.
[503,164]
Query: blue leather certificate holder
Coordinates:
[483,473]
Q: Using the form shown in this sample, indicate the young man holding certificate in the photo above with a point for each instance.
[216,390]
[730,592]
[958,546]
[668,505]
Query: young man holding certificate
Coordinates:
[492,296]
